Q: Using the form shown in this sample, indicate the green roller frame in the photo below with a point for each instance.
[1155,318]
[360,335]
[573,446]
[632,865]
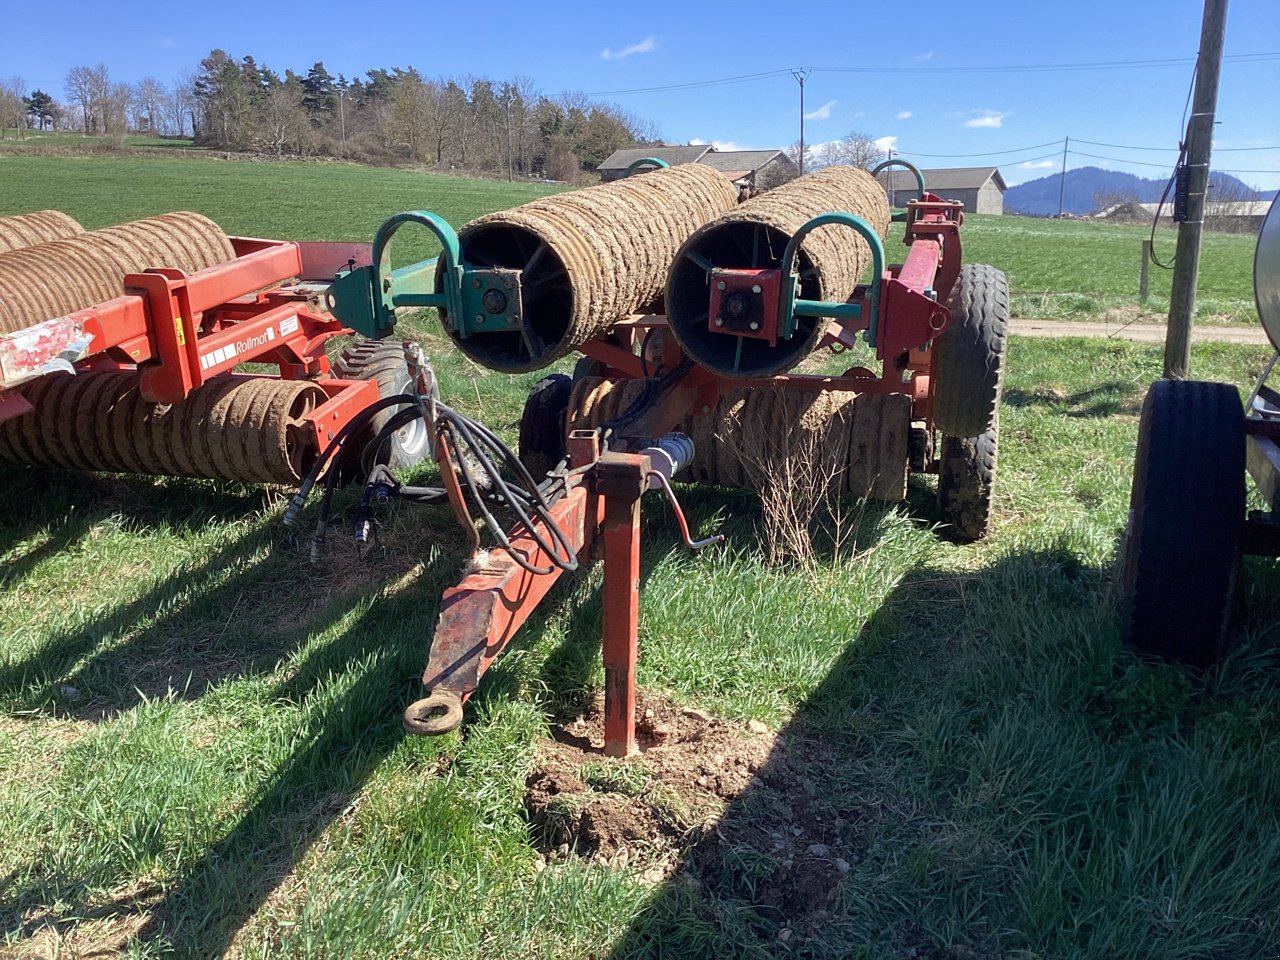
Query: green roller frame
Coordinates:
[920,191]
[643,163]
[791,306]
[474,300]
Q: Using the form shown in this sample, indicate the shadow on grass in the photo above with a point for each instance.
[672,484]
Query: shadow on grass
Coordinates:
[339,743]
[570,672]
[66,505]
[1104,400]
[929,797]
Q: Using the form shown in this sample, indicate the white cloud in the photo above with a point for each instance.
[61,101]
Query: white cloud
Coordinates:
[647,45]
[903,115]
[167,42]
[986,118]
[927,55]
[886,144]
[823,112]
[718,144]
[1038,165]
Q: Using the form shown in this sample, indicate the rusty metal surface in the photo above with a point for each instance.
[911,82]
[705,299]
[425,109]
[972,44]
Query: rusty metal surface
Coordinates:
[480,615]
[252,429]
[620,479]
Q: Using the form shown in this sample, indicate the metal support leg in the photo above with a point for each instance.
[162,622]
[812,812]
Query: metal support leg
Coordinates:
[620,479]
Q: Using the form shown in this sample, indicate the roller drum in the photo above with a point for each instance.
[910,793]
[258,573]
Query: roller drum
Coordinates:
[587,258]
[251,429]
[831,262]
[854,444]
[59,277]
[28,229]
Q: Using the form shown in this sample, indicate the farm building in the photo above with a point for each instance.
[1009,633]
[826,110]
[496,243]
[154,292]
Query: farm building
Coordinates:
[980,188]
[1232,216]
[746,168]
[616,165]
[758,169]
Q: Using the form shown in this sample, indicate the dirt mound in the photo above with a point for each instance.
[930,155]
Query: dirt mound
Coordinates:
[702,797]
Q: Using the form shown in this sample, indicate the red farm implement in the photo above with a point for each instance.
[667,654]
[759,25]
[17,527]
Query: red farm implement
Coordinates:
[651,398]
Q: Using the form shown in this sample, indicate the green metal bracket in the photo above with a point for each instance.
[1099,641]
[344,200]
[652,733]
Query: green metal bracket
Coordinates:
[901,217]
[790,306]
[365,299]
[640,164]
[491,302]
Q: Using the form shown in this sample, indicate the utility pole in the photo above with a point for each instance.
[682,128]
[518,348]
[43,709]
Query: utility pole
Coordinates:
[1199,146]
[801,76]
[1062,182]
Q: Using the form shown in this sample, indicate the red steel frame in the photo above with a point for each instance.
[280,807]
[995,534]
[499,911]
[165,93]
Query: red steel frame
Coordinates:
[481,614]
[178,330]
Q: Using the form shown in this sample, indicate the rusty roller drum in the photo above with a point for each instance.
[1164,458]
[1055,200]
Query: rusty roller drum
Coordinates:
[756,437]
[831,263]
[59,277]
[250,429]
[587,258]
[28,229]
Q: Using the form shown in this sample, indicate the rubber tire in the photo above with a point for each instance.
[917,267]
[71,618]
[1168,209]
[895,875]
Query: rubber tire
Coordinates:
[384,361]
[1186,516]
[966,482]
[971,353]
[542,424]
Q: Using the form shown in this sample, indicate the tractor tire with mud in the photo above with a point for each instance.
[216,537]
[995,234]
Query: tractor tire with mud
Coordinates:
[966,481]
[971,353]
[1186,517]
[383,361]
[542,424]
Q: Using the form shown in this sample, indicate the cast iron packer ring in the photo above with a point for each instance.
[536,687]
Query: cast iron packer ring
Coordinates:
[437,713]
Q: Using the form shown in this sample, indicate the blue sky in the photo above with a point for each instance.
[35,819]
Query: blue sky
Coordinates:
[907,92]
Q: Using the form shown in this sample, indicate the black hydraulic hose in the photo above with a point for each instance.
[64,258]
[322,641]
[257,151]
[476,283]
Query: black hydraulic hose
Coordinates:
[530,501]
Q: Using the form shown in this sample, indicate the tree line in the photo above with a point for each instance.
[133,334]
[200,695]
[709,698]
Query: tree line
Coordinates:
[507,127]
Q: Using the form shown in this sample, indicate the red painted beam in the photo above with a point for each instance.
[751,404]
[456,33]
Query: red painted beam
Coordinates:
[481,614]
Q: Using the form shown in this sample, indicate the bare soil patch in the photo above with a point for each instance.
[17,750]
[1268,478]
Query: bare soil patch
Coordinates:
[703,797]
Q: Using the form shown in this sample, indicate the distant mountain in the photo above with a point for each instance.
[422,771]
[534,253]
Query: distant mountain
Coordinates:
[1084,185]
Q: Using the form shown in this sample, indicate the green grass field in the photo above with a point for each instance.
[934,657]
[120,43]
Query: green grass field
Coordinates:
[1070,269]
[200,742]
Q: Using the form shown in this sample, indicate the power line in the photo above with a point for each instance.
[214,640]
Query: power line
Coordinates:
[1259,57]
[1161,166]
[693,84]
[1130,146]
[990,153]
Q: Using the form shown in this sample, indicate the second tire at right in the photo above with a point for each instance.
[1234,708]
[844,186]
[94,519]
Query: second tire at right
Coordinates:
[971,353]
[1186,517]
[969,376]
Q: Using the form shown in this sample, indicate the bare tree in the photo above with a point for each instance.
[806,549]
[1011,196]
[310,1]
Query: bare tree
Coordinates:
[1224,208]
[179,107]
[81,90]
[13,105]
[412,117]
[147,103]
[285,122]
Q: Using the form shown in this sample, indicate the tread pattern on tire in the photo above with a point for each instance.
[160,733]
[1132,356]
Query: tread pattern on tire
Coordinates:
[542,424]
[1186,513]
[384,362]
[971,353]
[966,480]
